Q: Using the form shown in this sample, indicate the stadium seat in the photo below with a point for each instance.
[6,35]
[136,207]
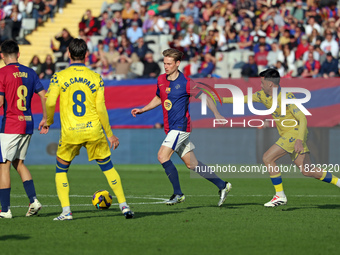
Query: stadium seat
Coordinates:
[137,68]
[182,65]
[61,66]
[95,39]
[161,66]
[246,54]
[164,42]
[236,73]
[27,26]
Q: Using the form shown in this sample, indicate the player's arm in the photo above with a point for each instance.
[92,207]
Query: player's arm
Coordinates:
[42,125]
[104,118]
[51,101]
[1,100]
[156,101]
[211,105]
[301,118]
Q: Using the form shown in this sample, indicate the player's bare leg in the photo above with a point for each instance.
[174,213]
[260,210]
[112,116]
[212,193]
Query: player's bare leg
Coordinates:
[269,158]
[26,177]
[5,189]
[307,169]
[192,163]
[164,155]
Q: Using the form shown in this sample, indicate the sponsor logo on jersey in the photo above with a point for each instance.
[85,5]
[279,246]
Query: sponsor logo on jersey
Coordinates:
[178,86]
[167,104]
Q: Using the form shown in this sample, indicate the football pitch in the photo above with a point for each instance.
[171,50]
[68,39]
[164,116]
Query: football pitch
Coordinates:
[309,224]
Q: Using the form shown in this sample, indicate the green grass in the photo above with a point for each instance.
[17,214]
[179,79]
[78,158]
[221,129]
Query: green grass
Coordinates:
[309,224]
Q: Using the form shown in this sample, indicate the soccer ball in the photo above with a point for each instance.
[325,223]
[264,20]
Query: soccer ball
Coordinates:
[102,199]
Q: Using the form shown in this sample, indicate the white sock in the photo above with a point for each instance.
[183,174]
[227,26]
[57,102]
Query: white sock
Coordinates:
[66,210]
[281,194]
[338,183]
[121,205]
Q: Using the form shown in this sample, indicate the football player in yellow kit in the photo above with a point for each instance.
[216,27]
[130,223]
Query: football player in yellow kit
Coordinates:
[83,117]
[293,137]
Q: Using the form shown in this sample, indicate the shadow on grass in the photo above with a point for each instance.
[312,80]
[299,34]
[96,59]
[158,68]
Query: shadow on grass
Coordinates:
[14,237]
[225,206]
[328,206]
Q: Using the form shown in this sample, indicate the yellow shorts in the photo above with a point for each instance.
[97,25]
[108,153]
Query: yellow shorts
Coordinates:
[287,142]
[95,149]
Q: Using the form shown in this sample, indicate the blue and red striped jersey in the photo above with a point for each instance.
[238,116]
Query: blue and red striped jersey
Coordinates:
[175,96]
[17,85]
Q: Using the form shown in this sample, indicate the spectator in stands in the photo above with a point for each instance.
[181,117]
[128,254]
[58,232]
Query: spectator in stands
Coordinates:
[208,11]
[148,22]
[193,66]
[193,11]
[312,67]
[151,68]
[329,68]
[280,68]
[189,22]
[312,25]
[25,8]
[141,48]
[118,22]
[158,26]
[112,7]
[125,47]
[271,29]
[302,47]
[262,41]
[285,38]
[135,18]
[321,55]
[105,69]
[47,68]
[87,39]
[128,11]
[64,37]
[313,37]
[110,37]
[287,57]
[273,55]
[122,67]
[98,53]
[111,54]
[154,6]
[175,26]
[40,9]
[250,69]
[330,45]
[35,64]
[137,4]
[16,17]
[165,8]
[245,40]
[298,12]
[6,27]
[207,67]
[134,32]
[109,26]
[191,39]
[230,32]
[261,56]
[52,4]
[311,49]
[89,23]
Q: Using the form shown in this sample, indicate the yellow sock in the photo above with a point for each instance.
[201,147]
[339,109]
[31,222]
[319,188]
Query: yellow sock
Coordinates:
[113,178]
[328,177]
[277,182]
[63,188]
[115,183]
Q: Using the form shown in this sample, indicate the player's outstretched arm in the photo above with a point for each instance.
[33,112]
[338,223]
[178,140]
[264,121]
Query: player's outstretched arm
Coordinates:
[114,142]
[42,125]
[156,101]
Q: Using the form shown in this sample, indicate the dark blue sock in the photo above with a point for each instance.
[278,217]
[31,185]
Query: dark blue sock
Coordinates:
[203,170]
[172,174]
[5,199]
[30,190]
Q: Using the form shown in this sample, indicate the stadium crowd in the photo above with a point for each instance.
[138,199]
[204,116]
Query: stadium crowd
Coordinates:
[299,38]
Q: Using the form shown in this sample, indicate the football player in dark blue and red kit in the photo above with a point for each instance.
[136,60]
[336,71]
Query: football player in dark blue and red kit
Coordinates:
[18,83]
[173,93]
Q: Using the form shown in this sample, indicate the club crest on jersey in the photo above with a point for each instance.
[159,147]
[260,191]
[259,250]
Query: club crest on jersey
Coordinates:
[168,90]
[167,104]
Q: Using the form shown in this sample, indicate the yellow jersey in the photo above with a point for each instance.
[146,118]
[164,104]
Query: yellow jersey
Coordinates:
[294,119]
[83,113]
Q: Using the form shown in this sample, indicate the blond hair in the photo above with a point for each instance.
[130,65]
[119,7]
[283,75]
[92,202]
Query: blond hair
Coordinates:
[173,53]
